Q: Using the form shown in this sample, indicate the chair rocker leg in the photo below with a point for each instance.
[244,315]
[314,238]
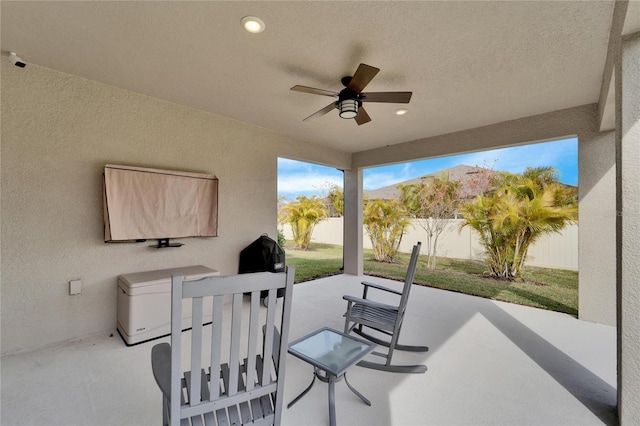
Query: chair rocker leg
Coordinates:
[407,369]
[409,348]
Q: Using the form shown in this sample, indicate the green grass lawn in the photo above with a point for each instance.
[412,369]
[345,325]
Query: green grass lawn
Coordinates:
[554,289]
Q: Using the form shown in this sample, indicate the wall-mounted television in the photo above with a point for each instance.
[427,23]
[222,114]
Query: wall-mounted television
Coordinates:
[153,204]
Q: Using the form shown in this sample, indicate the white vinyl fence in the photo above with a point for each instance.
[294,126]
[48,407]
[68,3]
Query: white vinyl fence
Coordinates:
[558,251]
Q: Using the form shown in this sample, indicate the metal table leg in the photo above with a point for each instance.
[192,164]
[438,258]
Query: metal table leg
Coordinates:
[365,400]
[332,400]
[304,392]
[331,380]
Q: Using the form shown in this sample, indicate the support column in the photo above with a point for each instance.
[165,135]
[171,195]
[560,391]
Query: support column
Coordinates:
[353,258]
[597,227]
[628,246]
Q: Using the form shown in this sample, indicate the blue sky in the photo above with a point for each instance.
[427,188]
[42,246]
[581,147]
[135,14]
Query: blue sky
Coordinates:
[297,178]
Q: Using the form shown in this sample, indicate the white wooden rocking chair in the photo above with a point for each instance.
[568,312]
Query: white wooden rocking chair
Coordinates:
[384,318]
[241,382]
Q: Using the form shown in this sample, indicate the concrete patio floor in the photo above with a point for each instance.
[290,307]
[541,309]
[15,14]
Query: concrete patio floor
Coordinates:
[489,363]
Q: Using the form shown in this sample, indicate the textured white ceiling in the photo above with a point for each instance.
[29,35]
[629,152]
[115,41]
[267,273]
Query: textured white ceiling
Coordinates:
[468,63]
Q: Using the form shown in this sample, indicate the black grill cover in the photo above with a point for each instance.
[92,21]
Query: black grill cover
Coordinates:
[262,255]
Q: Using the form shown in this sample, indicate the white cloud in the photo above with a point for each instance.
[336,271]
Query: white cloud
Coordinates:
[299,178]
[308,182]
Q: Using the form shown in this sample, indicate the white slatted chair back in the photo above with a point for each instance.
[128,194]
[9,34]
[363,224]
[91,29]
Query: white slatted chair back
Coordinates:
[234,372]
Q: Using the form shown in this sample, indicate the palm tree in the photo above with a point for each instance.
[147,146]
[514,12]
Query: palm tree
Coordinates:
[385,222]
[516,213]
[303,215]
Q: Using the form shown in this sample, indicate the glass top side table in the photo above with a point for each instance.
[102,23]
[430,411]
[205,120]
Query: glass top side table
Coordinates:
[331,353]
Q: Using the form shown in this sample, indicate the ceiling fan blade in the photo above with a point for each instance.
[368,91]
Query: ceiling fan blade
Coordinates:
[322,112]
[314,91]
[362,77]
[362,117]
[391,97]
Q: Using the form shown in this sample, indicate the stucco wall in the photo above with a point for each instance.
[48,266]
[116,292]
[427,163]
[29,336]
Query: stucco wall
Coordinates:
[597,235]
[629,273]
[58,132]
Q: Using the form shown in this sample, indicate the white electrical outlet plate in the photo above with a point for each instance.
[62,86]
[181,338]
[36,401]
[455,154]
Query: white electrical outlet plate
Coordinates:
[75,287]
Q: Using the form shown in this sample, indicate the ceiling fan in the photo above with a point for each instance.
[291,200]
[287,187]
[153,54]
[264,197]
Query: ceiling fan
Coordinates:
[350,99]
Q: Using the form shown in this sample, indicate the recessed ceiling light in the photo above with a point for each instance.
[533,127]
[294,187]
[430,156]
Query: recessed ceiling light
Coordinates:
[253,24]
[401,111]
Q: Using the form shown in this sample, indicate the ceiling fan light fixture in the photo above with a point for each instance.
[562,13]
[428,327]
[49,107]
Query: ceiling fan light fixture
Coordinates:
[253,24]
[348,108]
[350,99]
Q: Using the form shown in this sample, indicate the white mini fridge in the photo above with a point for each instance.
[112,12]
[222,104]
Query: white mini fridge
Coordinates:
[144,303]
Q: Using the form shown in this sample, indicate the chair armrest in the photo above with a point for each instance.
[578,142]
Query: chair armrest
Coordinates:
[161,366]
[368,302]
[379,287]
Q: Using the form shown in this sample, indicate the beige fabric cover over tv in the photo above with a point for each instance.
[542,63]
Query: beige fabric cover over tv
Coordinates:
[143,203]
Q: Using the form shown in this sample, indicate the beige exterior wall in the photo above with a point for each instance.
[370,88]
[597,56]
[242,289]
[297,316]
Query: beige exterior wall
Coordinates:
[352,230]
[597,183]
[559,251]
[58,132]
[629,232]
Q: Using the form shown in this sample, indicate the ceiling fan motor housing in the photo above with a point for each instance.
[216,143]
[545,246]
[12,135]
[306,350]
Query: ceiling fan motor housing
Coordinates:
[350,99]
[348,94]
